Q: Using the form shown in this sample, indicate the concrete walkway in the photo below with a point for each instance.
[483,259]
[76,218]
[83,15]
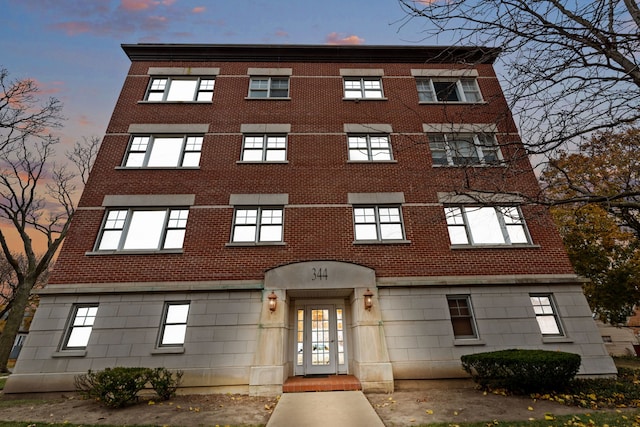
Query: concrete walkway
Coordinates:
[329,408]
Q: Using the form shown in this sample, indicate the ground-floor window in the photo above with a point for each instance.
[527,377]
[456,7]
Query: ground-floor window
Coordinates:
[80,327]
[462,320]
[546,314]
[174,324]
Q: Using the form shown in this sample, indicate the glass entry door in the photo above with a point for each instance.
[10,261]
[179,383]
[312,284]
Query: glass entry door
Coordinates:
[320,339]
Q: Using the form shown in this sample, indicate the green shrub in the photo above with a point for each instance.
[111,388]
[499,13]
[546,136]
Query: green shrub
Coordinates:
[114,387]
[118,387]
[522,371]
[164,383]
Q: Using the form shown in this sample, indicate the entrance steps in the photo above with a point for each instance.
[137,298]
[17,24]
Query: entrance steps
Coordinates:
[321,383]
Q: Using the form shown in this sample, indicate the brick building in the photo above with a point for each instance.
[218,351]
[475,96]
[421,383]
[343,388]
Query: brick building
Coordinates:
[258,213]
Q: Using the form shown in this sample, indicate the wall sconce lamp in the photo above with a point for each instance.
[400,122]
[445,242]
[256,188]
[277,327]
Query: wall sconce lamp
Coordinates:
[273,301]
[368,300]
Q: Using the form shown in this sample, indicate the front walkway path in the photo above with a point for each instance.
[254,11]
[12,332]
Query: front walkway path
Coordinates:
[328,408]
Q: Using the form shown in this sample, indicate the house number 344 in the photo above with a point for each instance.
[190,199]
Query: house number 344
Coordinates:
[319,274]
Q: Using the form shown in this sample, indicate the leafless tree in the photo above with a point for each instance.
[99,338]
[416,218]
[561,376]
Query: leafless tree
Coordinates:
[36,194]
[571,68]
[22,114]
[9,284]
[570,71]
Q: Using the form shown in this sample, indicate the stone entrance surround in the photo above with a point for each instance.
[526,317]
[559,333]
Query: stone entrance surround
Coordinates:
[368,356]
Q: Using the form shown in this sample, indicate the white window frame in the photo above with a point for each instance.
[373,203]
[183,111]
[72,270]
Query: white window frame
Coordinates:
[380,217]
[455,313]
[365,90]
[173,328]
[262,220]
[466,90]
[119,224]
[483,149]
[546,311]
[465,229]
[141,148]
[268,91]
[369,145]
[269,145]
[80,326]
[159,89]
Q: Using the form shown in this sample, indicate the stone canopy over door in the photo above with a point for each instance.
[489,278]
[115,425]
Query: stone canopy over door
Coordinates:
[320,288]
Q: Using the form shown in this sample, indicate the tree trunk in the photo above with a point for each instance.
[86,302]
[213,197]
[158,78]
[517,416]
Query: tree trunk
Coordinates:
[14,320]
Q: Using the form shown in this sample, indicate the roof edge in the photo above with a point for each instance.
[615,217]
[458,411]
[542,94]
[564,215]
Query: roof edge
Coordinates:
[312,53]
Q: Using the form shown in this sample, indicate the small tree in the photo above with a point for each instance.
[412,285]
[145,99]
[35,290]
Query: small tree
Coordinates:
[36,194]
[609,256]
[595,196]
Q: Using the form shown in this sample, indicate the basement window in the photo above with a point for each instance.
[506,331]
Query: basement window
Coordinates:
[462,320]
[80,327]
[546,314]
[174,324]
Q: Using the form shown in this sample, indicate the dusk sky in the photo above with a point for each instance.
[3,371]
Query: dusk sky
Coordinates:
[71,48]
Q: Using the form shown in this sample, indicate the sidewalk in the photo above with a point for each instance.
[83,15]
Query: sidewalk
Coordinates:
[335,409]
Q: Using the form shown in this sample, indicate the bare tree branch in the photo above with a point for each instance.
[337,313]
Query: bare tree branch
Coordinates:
[571,67]
[36,194]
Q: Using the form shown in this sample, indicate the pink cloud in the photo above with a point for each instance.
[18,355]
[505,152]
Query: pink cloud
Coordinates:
[281,33]
[47,88]
[135,5]
[198,9]
[336,38]
[73,28]
[84,120]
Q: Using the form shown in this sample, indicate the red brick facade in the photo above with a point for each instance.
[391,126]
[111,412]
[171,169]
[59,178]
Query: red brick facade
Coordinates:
[318,221]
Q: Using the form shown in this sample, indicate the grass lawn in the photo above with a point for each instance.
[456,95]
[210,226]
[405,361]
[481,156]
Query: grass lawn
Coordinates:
[600,419]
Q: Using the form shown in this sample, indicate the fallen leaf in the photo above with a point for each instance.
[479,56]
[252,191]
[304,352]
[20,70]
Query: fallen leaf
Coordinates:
[548,416]
[429,411]
[530,408]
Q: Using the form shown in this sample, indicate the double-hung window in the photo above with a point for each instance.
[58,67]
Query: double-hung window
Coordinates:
[174,324]
[378,223]
[462,320]
[546,314]
[143,229]
[264,148]
[363,88]
[448,90]
[180,89]
[489,225]
[257,224]
[462,149]
[170,151]
[269,87]
[80,327]
[369,148]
